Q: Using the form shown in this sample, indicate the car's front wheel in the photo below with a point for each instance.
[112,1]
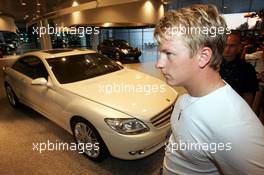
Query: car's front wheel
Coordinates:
[12,98]
[89,140]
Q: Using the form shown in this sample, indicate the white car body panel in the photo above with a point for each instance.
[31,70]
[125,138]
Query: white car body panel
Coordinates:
[128,102]
[8,60]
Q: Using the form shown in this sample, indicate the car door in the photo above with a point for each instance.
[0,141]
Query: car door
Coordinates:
[38,93]
[36,96]
[40,97]
[21,78]
[112,48]
[46,99]
[108,48]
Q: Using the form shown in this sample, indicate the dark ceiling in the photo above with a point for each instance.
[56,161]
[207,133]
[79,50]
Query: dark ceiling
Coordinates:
[24,13]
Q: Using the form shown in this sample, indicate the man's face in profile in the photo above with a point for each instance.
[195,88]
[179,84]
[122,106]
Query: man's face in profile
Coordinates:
[232,47]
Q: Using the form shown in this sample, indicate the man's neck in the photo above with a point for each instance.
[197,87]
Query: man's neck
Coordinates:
[231,60]
[204,84]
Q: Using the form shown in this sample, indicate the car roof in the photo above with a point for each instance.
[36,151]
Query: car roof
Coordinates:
[54,53]
[115,40]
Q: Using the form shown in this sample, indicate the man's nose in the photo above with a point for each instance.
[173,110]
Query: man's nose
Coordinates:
[227,48]
[160,63]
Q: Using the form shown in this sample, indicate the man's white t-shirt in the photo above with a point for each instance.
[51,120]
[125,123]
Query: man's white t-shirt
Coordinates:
[214,134]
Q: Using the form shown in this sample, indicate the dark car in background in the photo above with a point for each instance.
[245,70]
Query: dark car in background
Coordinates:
[119,50]
[7,49]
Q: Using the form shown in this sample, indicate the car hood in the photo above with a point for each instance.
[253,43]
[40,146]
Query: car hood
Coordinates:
[124,91]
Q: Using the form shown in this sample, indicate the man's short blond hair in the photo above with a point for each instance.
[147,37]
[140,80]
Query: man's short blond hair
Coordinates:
[199,26]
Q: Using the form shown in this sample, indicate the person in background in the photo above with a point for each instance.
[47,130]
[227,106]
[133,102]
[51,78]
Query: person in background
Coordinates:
[247,46]
[256,59]
[214,131]
[239,74]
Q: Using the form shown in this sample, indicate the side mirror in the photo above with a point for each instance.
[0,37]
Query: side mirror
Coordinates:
[119,63]
[39,81]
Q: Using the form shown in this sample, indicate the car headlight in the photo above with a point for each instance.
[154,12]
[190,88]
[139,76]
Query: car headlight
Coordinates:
[128,126]
[11,45]
[125,51]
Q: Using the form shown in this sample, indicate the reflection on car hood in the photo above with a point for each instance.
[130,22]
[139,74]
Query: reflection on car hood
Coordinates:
[125,47]
[124,91]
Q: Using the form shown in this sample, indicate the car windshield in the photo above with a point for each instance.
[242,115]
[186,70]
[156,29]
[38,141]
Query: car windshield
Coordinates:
[120,43]
[74,68]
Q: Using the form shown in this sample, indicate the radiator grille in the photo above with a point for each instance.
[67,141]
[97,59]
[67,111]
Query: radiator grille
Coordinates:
[162,118]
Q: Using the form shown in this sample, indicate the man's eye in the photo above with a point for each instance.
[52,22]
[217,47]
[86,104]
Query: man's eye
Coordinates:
[170,54]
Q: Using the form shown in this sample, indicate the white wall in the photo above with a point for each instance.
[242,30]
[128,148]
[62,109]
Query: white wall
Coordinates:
[234,20]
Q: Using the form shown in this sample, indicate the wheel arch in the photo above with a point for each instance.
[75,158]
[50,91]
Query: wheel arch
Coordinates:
[76,118]
[8,84]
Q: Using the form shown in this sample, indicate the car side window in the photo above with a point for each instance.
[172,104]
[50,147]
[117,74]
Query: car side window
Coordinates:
[31,66]
[108,43]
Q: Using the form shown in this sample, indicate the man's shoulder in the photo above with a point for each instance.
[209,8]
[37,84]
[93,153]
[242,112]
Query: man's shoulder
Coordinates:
[229,107]
[247,71]
[246,65]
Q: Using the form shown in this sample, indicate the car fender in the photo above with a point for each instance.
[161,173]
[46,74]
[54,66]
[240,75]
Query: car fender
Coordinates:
[95,113]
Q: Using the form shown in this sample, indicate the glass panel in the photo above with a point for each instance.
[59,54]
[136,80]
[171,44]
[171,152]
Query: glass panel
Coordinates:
[80,67]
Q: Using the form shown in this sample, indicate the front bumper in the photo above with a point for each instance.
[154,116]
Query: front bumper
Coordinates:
[130,147]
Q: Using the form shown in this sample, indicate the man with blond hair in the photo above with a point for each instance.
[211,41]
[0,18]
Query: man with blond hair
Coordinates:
[214,131]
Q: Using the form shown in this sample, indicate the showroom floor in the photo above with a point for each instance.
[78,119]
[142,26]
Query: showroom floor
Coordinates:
[20,128]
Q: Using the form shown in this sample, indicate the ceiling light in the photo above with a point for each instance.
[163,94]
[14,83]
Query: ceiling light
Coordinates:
[165,2]
[23,3]
[38,11]
[26,16]
[38,4]
[75,3]
[225,7]
[107,24]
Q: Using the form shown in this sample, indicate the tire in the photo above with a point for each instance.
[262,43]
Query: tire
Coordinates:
[136,59]
[85,133]
[11,96]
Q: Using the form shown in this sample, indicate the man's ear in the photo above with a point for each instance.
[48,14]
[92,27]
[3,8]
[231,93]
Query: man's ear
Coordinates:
[204,57]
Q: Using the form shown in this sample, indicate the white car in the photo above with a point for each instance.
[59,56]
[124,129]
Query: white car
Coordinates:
[117,110]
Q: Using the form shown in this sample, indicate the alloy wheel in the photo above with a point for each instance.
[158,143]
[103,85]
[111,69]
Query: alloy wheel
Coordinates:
[10,95]
[84,135]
